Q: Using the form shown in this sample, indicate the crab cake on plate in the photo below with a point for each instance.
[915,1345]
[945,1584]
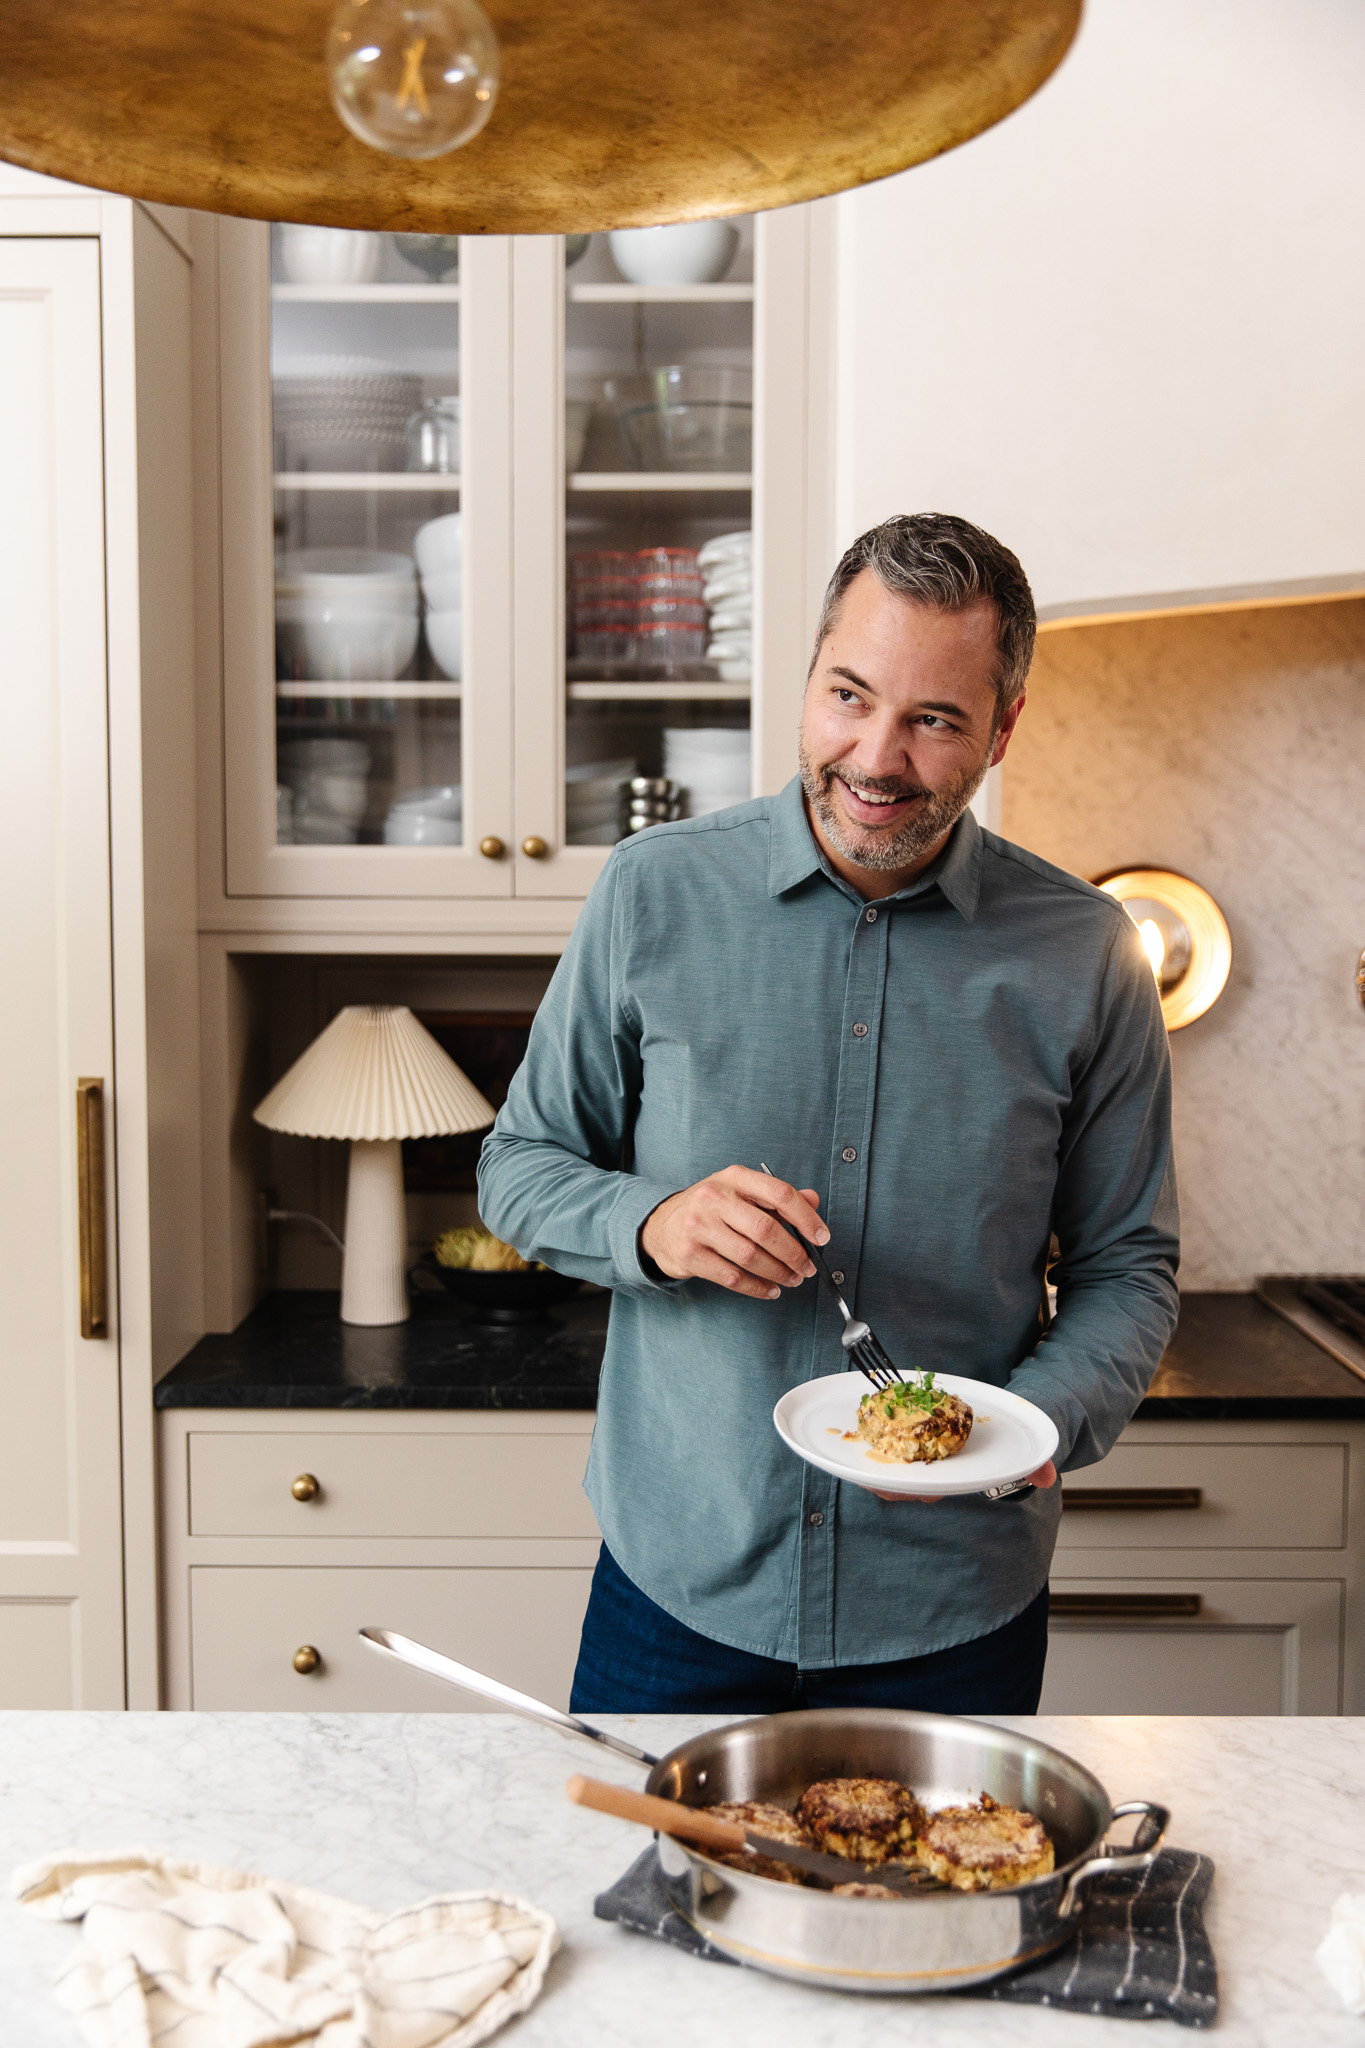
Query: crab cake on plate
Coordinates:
[913,1422]
[763,1820]
[986,1847]
[870,1820]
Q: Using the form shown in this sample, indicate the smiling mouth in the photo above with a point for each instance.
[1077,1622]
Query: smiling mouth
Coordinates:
[871,805]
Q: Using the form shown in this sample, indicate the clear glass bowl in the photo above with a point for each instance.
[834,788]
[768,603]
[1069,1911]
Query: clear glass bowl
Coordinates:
[685,416]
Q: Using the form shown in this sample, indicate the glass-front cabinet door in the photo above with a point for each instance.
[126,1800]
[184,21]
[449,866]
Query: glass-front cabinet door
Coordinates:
[377,625]
[664,528]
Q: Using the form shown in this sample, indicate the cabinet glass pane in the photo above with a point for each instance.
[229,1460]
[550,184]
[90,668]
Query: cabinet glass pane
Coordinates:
[365,374]
[658,440]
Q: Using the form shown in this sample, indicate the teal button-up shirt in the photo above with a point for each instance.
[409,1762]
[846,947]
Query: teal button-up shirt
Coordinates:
[962,1070]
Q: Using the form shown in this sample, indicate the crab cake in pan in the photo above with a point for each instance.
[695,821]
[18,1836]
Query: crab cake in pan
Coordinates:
[986,1847]
[870,1820]
[763,1820]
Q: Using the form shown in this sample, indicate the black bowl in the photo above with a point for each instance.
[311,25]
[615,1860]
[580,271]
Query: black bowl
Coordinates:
[503,1297]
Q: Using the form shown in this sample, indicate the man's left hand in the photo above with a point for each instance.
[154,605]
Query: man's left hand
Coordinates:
[1045,1476]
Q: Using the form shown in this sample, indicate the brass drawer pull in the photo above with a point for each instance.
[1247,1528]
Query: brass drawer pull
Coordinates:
[492,847]
[535,848]
[306,1659]
[305,1487]
[1125,1606]
[93,1231]
[1126,1499]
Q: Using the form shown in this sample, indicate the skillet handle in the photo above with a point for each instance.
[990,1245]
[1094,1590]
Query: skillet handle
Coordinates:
[1146,1842]
[689,1823]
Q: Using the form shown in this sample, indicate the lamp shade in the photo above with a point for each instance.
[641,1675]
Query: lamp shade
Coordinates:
[375,1072]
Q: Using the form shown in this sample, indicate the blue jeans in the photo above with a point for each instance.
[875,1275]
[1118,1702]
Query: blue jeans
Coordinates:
[636,1659]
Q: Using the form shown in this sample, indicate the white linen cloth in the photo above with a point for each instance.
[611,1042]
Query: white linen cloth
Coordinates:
[207,1958]
[1341,1952]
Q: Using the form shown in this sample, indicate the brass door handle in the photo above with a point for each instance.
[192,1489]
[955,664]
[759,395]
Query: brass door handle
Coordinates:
[534,848]
[1125,1606]
[306,1659]
[305,1487]
[492,847]
[93,1232]
[1125,1499]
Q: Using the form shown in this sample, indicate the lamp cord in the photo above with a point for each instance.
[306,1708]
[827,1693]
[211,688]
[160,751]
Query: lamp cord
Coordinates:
[302,1216]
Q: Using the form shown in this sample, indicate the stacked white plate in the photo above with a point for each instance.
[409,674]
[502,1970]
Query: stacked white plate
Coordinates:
[329,779]
[343,412]
[344,615]
[592,800]
[439,548]
[712,765]
[426,817]
[727,564]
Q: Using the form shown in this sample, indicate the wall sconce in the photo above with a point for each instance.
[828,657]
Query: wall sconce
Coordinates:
[1184,934]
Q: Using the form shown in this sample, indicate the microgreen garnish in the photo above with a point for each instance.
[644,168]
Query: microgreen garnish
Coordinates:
[917,1392]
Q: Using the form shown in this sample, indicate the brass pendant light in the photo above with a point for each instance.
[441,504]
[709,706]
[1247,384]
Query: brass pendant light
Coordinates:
[610,113]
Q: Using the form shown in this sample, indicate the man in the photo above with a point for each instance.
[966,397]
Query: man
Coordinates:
[949,1052]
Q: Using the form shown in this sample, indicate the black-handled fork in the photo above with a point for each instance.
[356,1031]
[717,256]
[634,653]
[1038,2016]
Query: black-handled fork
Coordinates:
[859,1342]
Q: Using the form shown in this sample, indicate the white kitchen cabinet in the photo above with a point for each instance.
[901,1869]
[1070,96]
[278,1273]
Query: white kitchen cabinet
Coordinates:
[1213,1568]
[520,716]
[468,1531]
[100,1252]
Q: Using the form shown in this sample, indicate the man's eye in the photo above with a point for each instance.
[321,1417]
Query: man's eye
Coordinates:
[848,697]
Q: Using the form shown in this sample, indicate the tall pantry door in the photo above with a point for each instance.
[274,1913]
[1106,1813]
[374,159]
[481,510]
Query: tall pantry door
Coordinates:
[61,1571]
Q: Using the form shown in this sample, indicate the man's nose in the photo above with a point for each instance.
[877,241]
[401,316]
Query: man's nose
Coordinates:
[881,749]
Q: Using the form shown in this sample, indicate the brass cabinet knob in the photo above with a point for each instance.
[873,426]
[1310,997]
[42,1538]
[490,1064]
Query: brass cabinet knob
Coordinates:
[306,1659]
[492,848]
[534,849]
[305,1487]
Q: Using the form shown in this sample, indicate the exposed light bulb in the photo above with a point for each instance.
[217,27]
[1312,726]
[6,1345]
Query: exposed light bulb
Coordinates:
[1153,945]
[413,77]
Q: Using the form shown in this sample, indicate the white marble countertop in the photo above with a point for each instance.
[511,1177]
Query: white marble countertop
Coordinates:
[387,1809]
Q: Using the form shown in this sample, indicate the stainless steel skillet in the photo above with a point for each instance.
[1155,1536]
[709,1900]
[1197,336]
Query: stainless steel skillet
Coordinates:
[939,1941]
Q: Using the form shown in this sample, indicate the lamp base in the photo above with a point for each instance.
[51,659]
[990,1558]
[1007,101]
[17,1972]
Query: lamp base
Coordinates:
[374,1280]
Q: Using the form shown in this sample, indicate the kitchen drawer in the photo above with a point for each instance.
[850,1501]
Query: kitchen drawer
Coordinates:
[1252,1646]
[247,1622]
[417,1484]
[1254,1496]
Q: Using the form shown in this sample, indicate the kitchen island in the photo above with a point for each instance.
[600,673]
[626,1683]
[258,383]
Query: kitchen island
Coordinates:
[388,1809]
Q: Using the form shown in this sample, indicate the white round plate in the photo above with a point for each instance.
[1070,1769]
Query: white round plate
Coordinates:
[1010,1437]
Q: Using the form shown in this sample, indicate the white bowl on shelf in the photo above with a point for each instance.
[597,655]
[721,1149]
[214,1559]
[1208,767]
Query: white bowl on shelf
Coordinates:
[420,828]
[443,800]
[445,638]
[325,793]
[444,593]
[313,255]
[690,252]
[343,642]
[438,546]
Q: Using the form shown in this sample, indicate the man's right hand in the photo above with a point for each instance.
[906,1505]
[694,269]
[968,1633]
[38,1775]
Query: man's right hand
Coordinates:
[725,1228]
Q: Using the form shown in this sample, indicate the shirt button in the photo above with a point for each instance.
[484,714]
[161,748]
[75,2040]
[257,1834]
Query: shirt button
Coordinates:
[860,1031]
[849,1154]
[817,1519]
[837,1277]
[871,916]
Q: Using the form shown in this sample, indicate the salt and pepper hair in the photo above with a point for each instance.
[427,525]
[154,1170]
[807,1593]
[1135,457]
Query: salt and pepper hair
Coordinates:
[937,559]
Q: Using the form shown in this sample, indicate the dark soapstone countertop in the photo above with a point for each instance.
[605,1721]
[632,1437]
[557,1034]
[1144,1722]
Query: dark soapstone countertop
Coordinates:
[1232,1358]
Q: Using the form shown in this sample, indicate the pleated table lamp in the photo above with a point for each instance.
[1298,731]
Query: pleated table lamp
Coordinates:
[374,1076]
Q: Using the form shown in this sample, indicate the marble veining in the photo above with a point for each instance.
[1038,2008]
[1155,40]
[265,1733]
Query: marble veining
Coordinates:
[386,1809]
[1228,747]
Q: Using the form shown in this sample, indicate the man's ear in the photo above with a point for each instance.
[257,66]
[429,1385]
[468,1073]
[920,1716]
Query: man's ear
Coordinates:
[1007,725]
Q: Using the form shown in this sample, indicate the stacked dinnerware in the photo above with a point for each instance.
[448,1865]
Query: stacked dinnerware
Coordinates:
[592,800]
[727,564]
[344,615]
[670,617]
[711,763]
[438,547]
[651,800]
[426,817]
[602,607]
[341,413]
[329,779]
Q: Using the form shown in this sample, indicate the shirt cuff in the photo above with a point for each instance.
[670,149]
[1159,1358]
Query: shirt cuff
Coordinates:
[636,1204]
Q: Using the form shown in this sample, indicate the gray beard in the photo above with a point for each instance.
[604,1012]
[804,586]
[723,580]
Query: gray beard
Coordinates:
[881,851]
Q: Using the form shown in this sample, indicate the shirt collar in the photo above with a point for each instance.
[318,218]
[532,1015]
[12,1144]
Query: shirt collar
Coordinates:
[793,856]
